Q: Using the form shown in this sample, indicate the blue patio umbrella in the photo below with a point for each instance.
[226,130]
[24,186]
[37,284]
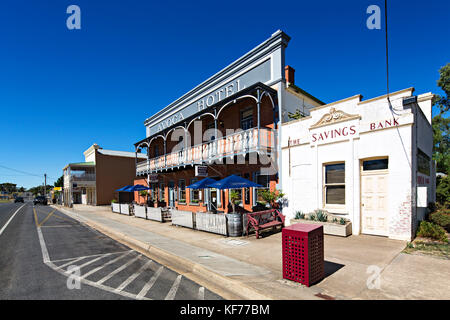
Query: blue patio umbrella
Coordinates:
[202,184]
[138,187]
[124,189]
[234,182]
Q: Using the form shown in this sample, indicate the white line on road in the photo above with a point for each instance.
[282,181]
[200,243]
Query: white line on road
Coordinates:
[106,264]
[174,289]
[90,256]
[7,222]
[112,274]
[133,276]
[149,284]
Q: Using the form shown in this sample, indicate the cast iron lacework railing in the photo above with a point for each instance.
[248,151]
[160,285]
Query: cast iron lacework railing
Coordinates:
[238,143]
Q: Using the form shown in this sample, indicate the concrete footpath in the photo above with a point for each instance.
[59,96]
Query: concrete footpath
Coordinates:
[249,268]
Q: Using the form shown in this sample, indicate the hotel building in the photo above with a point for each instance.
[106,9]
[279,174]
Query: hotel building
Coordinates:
[228,124]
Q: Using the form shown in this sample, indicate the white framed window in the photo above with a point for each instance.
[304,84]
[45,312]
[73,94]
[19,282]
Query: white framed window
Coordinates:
[194,194]
[182,191]
[334,184]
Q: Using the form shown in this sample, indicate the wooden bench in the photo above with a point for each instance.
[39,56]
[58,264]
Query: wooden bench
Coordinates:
[264,220]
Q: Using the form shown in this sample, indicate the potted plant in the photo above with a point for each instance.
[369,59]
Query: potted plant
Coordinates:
[271,197]
[144,194]
[235,199]
[332,225]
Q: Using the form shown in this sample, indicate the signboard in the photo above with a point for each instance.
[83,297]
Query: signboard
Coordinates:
[153,178]
[201,171]
[260,73]
[57,189]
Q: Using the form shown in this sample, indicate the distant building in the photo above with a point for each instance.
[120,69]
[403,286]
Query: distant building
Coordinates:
[95,180]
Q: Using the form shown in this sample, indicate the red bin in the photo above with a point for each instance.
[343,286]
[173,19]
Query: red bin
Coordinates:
[303,254]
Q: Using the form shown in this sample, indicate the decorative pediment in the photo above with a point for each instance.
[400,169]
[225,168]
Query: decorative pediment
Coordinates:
[334,116]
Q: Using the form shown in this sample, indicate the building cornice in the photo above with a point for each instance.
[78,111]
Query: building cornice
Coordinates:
[277,40]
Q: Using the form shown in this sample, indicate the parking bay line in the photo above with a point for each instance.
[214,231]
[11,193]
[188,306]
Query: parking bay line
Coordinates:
[174,289]
[112,274]
[132,277]
[106,264]
[149,284]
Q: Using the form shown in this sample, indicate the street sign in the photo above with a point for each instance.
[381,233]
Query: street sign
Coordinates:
[201,171]
[153,178]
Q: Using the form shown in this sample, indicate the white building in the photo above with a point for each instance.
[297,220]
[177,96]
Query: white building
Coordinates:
[363,160]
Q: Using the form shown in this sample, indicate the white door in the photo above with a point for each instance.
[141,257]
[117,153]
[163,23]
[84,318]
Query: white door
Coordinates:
[374,208]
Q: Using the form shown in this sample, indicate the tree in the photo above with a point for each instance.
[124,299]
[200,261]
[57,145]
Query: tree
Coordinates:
[39,189]
[271,197]
[8,187]
[441,123]
[60,182]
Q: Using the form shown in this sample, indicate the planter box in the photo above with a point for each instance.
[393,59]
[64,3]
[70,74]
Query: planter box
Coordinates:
[183,218]
[140,211]
[334,229]
[215,223]
[154,214]
[125,209]
[116,207]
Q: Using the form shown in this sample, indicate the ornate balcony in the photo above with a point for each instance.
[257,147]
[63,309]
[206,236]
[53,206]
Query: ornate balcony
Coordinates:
[239,143]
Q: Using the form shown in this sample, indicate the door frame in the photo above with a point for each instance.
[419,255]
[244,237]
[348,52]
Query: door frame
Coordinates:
[368,173]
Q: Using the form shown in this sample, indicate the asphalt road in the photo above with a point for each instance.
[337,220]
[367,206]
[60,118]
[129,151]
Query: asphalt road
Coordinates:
[45,254]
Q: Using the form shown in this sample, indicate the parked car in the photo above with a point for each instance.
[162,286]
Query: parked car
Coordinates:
[18,199]
[40,200]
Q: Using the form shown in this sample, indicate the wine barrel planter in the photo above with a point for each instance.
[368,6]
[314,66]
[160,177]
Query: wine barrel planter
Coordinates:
[234,224]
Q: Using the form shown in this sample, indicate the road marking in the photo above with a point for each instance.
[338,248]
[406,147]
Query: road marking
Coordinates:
[56,216]
[201,293]
[90,256]
[47,217]
[133,276]
[174,289]
[47,261]
[7,222]
[112,274]
[149,284]
[106,264]
[70,262]
[60,226]
[44,250]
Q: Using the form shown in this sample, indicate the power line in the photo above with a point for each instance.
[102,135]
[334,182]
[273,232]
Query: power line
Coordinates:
[27,173]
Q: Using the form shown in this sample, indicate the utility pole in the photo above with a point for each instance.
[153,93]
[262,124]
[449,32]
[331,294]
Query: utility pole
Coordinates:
[45,185]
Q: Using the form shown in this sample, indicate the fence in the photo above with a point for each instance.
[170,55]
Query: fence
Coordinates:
[215,223]
[125,208]
[116,207]
[183,218]
[154,214]
[140,211]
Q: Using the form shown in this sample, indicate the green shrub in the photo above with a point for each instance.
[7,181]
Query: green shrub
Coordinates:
[312,216]
[113,201]
[321,216]
[431,230]
[335,220]
[299,215]
[342,221]
[441,218]
[443,190]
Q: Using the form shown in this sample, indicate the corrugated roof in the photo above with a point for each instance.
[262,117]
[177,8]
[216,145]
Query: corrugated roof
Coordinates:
[121,153]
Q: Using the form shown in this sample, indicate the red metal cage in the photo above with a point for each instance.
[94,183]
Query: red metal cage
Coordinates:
[303,253]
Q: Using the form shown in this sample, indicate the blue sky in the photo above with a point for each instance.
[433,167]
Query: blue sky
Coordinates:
[62,90]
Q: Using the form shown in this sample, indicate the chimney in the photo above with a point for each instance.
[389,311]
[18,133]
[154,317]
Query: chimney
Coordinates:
[289,74]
